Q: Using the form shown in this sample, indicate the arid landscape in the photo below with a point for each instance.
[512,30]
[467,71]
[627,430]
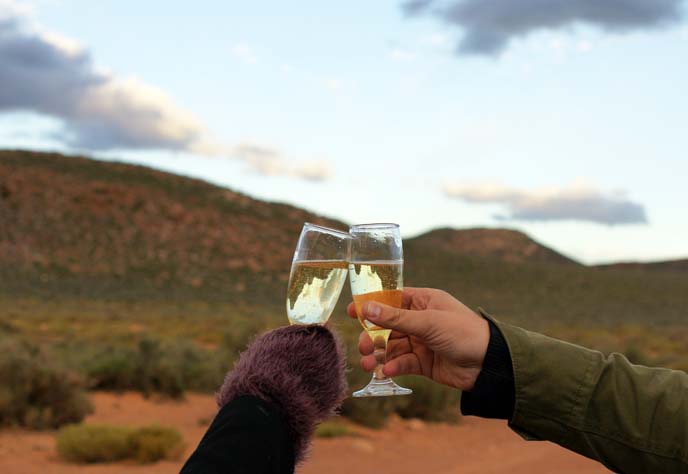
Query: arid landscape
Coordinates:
[404,447]
[158,162]
[121,279]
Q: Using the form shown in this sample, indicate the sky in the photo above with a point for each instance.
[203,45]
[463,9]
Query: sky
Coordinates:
[565,119]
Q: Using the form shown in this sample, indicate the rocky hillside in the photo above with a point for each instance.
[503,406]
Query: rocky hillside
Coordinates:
[503,244]
[123,227]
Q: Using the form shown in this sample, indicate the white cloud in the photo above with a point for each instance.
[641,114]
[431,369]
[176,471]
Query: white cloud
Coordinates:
[54,76]
[579,201]
[11,9]
[47,73]
[269,161]
[313,171]
[66,45]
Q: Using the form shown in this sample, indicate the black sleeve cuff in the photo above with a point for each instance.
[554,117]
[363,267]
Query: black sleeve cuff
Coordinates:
[493,395]
[247,436]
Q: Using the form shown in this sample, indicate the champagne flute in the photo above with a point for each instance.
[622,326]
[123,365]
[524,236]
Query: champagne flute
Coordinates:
[376,274]
[318,273]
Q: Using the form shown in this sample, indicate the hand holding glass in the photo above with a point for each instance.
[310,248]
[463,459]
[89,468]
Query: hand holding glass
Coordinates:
[376,274]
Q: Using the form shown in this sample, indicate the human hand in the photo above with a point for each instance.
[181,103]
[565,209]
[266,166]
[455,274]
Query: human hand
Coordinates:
[433,335]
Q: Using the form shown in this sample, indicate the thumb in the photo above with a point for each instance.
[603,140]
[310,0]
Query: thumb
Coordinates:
[414,323]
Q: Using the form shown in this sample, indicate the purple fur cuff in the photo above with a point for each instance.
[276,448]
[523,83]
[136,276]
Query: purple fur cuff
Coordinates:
[299,369]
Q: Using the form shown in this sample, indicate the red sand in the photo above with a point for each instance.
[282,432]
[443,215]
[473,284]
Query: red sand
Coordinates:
[404,447]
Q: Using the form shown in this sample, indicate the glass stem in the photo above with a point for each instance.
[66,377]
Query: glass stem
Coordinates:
[380,354]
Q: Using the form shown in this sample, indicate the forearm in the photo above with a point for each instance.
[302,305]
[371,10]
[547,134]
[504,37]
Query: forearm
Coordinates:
[283,384]
[247,436]
[631,418]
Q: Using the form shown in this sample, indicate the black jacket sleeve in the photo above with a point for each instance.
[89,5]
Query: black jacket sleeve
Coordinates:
[493,395]
[248,436]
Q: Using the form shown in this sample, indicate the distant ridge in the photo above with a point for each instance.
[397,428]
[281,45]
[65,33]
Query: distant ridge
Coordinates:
[680,265]
[504,244]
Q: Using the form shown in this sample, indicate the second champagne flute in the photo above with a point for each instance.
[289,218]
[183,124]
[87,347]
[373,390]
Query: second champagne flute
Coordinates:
[318,274]
[376,274]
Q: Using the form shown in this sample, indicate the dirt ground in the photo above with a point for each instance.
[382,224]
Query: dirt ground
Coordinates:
[404,447]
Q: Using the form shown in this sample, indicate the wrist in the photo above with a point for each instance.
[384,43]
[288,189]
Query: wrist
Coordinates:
[493,393]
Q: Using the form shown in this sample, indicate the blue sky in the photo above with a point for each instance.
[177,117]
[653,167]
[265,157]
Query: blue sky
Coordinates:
[573,131]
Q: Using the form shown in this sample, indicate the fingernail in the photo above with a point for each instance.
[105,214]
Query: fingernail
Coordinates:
[373,311]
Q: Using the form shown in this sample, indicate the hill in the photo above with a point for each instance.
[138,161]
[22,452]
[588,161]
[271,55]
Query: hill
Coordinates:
[76,225]
[72,227]
[503,244]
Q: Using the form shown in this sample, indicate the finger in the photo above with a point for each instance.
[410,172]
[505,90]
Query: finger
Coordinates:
[365,344]
[397,348]
[368,363]
[407,297]
[402,365]
[351,311]
[397,335]
[414,323]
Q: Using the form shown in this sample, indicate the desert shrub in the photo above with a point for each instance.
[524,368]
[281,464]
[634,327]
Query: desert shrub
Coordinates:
[155,367]
[372,412]
[242,332]
[94,443]
[331,429]
[368,411]
[105,443]
[153,443]
[36,391]
[681,363]
[636,355]
[430,401]
[112,369]
[202,370]
[157,373]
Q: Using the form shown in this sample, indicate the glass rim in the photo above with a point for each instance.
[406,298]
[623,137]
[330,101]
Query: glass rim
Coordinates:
[375,225]
[327,230]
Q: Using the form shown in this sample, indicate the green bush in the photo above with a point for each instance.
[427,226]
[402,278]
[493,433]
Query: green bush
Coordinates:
[156,372]
[243,331]
[112,369]
[155,367]
[153,443]
[331,429]
[636,355]
[105,443]
[430,401]
[202,370]
[94,443]
[36,392]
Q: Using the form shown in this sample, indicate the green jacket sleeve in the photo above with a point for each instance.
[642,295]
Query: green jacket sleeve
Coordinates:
[633,419]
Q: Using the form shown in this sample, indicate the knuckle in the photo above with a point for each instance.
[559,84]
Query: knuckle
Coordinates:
[394,315]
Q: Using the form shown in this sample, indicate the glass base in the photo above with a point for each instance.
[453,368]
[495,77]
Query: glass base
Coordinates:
[382,388]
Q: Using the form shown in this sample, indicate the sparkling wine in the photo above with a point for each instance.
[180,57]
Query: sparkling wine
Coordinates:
[380,281]
[314,287]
